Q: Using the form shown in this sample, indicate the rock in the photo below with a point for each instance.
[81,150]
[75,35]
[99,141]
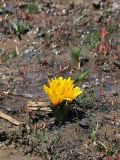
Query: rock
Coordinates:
[85,123]
[118,137]
[83,60]
[115,93]
[72,5]
[86,85]
[115,6]
[96,4]
[7,10]
[117,63]
[105,68]
[27,149]
[3,136]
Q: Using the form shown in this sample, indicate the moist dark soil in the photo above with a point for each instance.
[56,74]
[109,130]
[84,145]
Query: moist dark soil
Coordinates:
[53,29]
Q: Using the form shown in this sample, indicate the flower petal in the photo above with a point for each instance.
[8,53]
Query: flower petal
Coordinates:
[61,89]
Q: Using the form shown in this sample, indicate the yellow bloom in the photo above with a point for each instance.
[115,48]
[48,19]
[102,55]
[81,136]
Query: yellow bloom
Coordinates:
[61,89]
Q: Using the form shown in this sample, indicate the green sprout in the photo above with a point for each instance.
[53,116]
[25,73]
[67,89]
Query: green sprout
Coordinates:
[94,133]
[111,28]
[106,12]
[19,28]
[53,149]
[94,39]
[42,136]
[78,54]
[75,54]
[87,99]
[5,10]
[110,151]
[32,8]
[81,77]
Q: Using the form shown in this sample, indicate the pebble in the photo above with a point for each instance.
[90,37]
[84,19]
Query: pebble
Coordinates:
[86,85]
[3,136]
[117,63]
[118,137]
[115,6]
[115,93]
[85,123]
[105,68]
[96,4]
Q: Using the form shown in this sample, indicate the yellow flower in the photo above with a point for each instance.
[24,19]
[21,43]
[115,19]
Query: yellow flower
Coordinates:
[61,89]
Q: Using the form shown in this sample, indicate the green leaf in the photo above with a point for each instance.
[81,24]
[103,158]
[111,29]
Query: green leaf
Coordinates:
[75,54]
[19,27]
[111,28]
[94,39]
[93,136]
[110,152]
[82,76]
[42,137]
[32,8]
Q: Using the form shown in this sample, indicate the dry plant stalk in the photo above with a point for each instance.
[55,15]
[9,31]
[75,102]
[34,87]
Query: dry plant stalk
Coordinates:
[10,119]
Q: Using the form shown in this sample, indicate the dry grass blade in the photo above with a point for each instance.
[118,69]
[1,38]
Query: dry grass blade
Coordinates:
[42,106]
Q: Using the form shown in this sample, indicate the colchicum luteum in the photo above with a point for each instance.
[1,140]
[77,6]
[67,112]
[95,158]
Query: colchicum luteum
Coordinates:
[60,91]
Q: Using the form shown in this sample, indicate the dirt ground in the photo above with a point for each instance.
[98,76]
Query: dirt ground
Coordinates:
[44,48]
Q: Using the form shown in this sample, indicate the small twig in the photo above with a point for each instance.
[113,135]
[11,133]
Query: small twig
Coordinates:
[101,143]
[17,51]
[16,94]
[10,119]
